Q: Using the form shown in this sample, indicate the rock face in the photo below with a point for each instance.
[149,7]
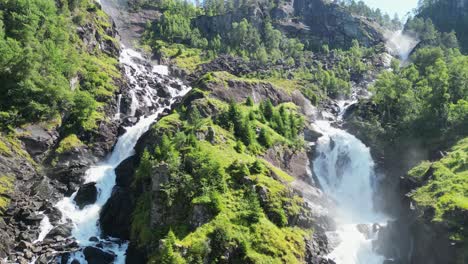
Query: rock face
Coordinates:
[87,194]
[323,22]
[317,22]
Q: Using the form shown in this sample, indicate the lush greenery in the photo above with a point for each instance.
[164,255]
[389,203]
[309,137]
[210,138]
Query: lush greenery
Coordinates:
[426,32]
[426,100]
[445,189]
[209,165]
[42,55]
[447,16]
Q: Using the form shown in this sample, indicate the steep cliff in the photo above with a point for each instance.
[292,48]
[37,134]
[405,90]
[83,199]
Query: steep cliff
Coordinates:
[315,23]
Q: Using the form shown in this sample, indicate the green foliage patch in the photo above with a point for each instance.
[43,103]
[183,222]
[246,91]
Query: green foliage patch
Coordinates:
[6,187]
[447,188]
[223,180]
[42,54]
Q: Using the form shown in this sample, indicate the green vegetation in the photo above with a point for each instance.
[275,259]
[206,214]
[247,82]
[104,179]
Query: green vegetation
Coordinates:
[427,99]
[209,165]
[6,186]
[445,189]
[425,31]
[41,54]
[68,143]
[448,16]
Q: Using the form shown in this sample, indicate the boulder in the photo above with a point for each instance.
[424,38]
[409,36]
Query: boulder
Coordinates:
[87,194]
[63,230]
[125,171]
[98,256]
[37,140]
[115,216]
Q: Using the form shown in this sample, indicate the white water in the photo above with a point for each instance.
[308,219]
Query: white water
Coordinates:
[86,221]
[400,44]
[345,170]
[45,227]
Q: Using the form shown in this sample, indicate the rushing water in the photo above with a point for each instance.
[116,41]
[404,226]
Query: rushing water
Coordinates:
[400,44]
[86,221]
[345,170]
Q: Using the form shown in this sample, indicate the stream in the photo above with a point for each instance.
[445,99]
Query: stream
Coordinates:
[85,222]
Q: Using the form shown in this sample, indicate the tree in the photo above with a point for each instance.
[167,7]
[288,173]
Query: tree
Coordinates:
[264,138]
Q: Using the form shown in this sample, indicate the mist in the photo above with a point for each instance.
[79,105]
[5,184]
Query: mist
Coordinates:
[400,44]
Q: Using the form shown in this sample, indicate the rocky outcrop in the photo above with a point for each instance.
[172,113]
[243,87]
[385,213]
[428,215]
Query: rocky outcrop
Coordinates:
[87,194]
[316,22]
[42,175]
[323,22]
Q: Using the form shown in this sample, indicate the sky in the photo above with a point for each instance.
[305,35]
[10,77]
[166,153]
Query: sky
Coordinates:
[401,7]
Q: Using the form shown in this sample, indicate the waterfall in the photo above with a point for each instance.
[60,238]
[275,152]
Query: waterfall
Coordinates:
[86,221]
[400,44]
[345,170]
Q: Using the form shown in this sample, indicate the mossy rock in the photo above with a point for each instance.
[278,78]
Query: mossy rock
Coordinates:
[6,187]
[69,143]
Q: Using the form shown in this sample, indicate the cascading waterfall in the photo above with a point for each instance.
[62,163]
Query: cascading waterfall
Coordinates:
[86,221]
[345,170]
[400,44]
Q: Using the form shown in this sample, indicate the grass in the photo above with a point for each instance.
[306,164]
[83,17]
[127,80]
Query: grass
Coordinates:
[447,189]
[281,84]
[184,57]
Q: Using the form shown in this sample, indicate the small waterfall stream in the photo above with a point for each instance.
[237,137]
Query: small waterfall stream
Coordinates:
[86,229]
[345,170]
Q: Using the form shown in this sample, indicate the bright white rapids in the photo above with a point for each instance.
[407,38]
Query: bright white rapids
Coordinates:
[345,170]
[86,221]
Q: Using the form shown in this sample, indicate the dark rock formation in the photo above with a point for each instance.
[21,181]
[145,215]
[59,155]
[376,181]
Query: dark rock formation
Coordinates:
[125,171]
[116,215]
[37,140]
[70,167]
[87,194]
[95,255]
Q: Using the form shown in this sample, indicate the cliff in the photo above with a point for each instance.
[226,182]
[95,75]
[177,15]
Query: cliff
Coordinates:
[315,23]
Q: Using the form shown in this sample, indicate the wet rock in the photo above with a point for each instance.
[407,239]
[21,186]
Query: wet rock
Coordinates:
[87,194]
[71,166]
[63,230]
[115,216]
[124,172]
[98,256]
[129,121]
[163,91]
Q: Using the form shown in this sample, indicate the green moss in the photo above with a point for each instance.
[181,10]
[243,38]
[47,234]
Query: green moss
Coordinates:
[6,187]
[4,149]
[10,145]
[69,143]
[446,191]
